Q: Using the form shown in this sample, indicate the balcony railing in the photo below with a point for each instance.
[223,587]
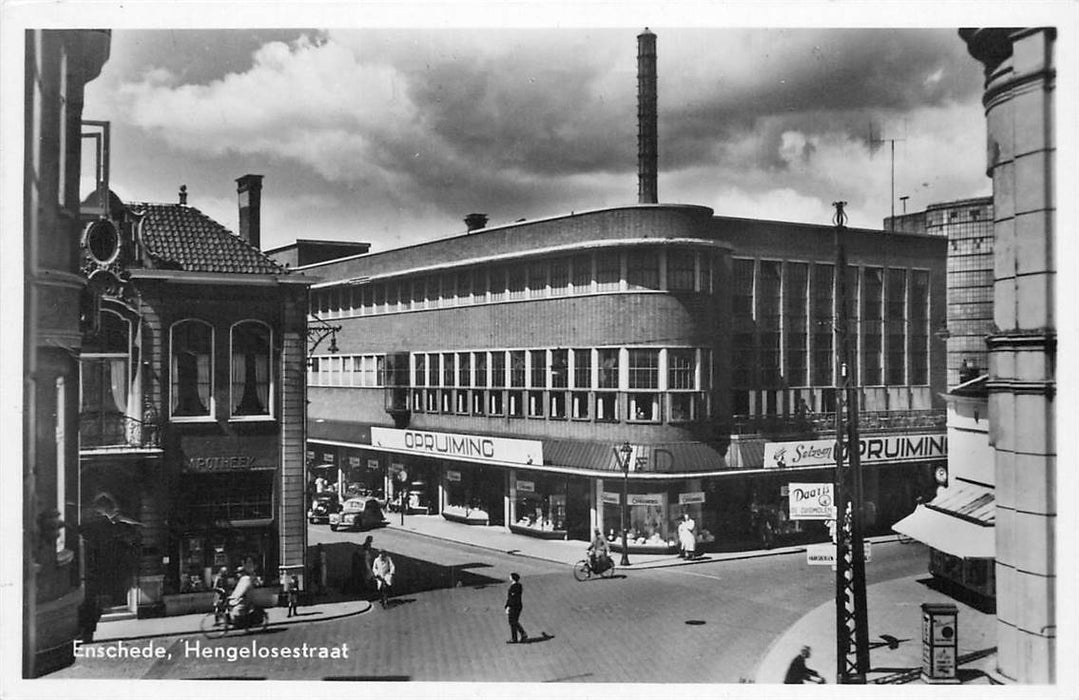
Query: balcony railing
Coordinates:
[824,423]
[99,429]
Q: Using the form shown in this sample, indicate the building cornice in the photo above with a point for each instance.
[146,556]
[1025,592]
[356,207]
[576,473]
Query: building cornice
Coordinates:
[526,255]
[229,278]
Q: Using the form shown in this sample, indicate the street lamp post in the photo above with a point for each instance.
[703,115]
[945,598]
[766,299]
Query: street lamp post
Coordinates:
[622,454]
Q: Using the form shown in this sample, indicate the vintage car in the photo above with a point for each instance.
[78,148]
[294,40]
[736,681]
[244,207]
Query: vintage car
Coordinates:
[357,513]
[322,507]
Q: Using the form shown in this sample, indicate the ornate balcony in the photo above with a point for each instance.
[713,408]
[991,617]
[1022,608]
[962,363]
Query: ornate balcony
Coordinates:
[115,432]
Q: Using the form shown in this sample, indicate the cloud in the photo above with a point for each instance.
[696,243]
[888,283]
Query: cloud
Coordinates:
[404,129]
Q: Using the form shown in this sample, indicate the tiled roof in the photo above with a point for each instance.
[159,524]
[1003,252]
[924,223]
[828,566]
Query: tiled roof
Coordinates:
[181,237]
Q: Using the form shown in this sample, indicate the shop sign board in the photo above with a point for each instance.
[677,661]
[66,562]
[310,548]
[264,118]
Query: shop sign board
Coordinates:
[691,497]
[329,457]
[611,498]
[811,501]
[824,554]
[222,463]
[354,462]
[880,449]
[646,499]
[526,486]
[452,475]
[467,448]
[372,464]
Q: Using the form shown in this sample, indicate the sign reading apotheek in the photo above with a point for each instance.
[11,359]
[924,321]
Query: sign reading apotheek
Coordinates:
[811,501]
[221,464]
[879,449]
[468,448]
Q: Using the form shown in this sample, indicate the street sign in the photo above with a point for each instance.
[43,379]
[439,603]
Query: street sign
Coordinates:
[824,554]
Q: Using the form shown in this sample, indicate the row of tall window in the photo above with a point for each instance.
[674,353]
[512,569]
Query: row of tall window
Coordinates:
[347,370]
[602,384]
[110,379]
[784,324]
[640,269]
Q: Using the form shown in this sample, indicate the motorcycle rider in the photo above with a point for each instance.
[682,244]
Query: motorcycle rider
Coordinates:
[599,552]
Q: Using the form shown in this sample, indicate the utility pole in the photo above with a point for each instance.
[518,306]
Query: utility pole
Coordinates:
[874,141]
[852,632]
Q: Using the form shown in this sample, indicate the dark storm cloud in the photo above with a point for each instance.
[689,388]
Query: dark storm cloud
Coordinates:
[816,81]
[539,102]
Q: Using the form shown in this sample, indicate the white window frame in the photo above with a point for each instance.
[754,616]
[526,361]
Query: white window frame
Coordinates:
[270,370]
[211,415]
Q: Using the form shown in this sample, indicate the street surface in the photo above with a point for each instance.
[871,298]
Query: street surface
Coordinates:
[708,622]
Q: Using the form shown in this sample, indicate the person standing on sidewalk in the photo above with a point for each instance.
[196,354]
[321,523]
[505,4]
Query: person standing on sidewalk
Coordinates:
[687,537]
[291,588]
[513,609]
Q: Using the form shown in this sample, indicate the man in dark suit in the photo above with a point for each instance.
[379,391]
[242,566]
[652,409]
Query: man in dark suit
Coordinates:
[513,609]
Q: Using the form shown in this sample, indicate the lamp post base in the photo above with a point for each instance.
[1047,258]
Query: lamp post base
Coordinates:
[625,551]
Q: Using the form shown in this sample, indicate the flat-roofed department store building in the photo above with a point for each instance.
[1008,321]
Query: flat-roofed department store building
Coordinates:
[499,369]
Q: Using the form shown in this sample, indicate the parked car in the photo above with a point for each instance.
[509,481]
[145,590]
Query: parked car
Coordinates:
[357,513]
[322,507]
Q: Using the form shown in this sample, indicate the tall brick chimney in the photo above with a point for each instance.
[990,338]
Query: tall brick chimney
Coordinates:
[647,110]
[249,189]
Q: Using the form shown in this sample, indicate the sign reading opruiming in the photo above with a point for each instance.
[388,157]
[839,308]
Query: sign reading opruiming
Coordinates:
[879,449]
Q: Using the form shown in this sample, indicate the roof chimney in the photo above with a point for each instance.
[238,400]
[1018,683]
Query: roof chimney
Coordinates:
[183,195]
[647,131]
[249,189]
[475,222]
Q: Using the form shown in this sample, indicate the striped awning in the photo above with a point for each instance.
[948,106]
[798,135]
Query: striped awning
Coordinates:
[959,521]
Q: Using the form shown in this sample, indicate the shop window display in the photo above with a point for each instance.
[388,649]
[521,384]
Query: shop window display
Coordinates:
[463,500]
[540,506]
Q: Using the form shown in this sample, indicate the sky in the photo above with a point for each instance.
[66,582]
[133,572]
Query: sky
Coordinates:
[392,136]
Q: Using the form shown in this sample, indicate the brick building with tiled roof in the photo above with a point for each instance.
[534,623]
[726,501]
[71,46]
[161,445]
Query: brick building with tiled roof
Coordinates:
[192,415]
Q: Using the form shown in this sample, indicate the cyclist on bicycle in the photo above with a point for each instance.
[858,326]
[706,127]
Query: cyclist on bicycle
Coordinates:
[239,601]
[599,552]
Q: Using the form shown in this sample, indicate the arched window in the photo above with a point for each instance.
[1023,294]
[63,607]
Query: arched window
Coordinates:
[105,382]
[192,368]
[250,369]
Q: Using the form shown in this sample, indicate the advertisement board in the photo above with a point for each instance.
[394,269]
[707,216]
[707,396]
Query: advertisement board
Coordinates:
[467,448]
[879,449]
[811,501]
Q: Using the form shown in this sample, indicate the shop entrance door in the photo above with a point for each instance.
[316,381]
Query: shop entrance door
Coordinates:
[491,490]
[578,509]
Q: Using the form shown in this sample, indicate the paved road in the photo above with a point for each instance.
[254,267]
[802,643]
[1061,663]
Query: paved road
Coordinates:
[709,622]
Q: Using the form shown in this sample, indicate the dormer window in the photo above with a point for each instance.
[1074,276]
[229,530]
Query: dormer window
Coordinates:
[192,369]
[250,369]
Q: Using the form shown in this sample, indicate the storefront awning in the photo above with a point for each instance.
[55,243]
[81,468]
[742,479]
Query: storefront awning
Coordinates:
[959,521]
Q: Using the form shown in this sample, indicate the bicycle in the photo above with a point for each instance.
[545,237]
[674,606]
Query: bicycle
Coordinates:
[582,570]
[221,620]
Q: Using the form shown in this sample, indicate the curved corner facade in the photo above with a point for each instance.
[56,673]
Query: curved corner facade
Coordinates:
[539,375]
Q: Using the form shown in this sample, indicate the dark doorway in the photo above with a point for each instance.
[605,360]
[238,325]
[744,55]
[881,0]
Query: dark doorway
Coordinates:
[578,509]
[111,562]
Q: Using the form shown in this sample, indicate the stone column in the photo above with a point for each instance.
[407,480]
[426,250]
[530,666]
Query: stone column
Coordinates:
[1018,99]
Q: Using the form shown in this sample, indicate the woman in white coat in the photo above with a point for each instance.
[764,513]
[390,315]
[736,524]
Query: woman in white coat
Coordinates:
[687,537]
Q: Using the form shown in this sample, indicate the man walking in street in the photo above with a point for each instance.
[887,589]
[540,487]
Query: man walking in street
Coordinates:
[513,609]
